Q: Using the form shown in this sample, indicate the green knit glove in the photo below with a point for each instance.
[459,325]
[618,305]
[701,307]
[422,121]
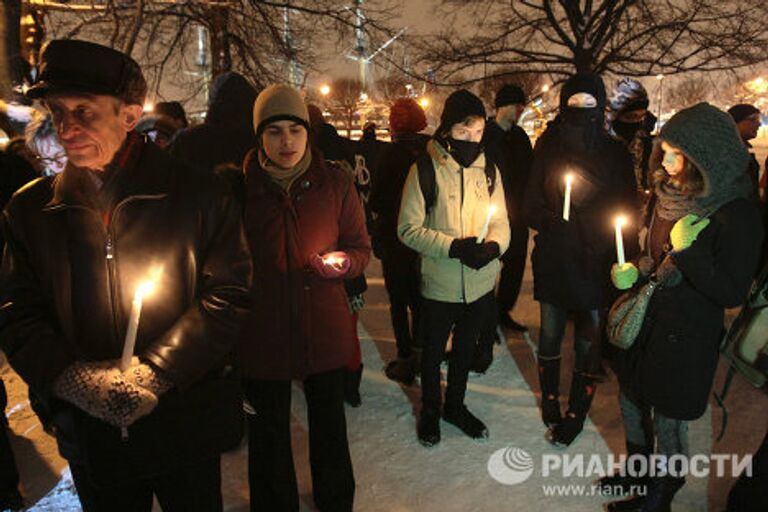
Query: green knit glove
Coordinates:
[624,276]
[686,230]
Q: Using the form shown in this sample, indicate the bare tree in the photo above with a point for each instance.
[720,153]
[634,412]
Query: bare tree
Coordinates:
[689,91]
[623,37]
[262,39]
[345,100]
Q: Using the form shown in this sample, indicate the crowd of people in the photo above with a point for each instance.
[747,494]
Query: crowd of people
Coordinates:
[159,279]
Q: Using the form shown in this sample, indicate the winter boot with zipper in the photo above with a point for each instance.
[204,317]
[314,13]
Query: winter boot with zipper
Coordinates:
[549,381]
[625,485]
[579,402]
[352,380]
[661,492]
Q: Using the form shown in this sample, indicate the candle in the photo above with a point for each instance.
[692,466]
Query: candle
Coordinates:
[129,345]
[567,197]
[333,262]
[620,221]
[484,231]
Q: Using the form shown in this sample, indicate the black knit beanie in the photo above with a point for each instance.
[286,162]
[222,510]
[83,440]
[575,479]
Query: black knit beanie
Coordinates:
[459,105]
[510,94]
[584,82]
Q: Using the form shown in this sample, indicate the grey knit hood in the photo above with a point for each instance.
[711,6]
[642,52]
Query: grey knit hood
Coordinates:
[709,138]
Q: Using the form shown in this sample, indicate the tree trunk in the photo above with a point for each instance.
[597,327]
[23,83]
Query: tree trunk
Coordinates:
[221,56]
[583,60]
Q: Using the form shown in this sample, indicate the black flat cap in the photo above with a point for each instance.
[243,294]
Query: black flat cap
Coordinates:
[72,66]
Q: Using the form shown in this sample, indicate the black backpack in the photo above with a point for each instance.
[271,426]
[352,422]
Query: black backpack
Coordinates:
[428,185]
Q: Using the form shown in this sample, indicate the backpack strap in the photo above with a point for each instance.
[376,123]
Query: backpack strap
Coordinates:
[426,170]
[720,399]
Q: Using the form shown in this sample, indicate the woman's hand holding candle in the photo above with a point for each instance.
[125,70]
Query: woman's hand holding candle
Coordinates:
[332,265]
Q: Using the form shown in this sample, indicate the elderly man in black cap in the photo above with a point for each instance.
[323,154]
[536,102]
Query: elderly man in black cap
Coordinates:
[509,147]
[124,248]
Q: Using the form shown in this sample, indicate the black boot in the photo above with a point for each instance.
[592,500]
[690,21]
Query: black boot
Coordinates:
[11,500]
[403,370]
[618,485]
[428,428]
[549,380]
[579,402]
[661,491]
[352,386]
[466,421]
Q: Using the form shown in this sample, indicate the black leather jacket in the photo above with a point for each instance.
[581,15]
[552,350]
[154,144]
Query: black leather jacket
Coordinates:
[70,272]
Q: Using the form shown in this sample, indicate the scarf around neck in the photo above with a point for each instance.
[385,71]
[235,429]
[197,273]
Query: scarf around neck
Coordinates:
[284,178]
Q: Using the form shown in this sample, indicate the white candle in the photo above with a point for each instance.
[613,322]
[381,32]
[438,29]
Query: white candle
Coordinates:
[484,231]
[133,324]
[620,221]
[567,197]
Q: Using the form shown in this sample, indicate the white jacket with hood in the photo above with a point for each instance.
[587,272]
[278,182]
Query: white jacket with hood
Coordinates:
[452,216]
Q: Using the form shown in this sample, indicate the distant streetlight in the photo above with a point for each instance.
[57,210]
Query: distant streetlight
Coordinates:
[545,88]
[148,107]
[424,102]
[325,90]
[363,97]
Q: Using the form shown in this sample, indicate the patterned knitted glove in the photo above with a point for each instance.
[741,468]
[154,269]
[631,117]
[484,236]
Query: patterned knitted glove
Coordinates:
[686,230]
[145,376]
[101,390]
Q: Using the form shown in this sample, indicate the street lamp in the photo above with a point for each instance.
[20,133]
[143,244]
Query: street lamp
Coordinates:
[363,97]
[325,90]
[545,88]
[424,102]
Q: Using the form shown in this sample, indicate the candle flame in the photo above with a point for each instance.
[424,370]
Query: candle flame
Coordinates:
[492,210]
[569,179]
[147,287]
[621,220]
[331,260]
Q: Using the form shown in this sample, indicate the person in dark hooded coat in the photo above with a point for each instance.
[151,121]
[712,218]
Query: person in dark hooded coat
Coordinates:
[571,258]
[227,133]
[705,230]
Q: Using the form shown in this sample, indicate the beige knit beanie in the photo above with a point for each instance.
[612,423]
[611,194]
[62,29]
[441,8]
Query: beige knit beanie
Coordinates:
[279,102]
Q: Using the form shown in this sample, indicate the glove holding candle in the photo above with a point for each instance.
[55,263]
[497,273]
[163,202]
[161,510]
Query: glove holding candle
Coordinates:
[332,265]
[102,390]
[624,276]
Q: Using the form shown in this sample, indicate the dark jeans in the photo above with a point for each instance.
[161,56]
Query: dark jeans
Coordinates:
[511,278]
[401,278]
[439,318]
[643,426]
[587,335]
[271,474]
[9,476]
[196,488]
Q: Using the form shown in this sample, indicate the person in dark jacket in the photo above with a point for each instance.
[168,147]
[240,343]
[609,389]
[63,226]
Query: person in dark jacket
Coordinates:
[399,263]
[705,229]
[747,119]
[226,135]
[509,147]
[15,172]
[571,258]
[306,228]
[78,248]
[626,118]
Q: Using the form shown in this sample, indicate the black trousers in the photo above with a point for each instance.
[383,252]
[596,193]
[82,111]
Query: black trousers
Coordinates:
[401,278]
[439,318]
[195,488]
[271,474]
[511,277]
[749,494]
[587,329]
[9,476]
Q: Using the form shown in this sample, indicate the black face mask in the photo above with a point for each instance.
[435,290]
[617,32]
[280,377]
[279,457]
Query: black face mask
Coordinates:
[626,131]
[463,151]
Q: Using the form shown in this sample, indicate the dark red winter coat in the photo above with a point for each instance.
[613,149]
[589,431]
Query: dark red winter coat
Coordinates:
[300,323]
